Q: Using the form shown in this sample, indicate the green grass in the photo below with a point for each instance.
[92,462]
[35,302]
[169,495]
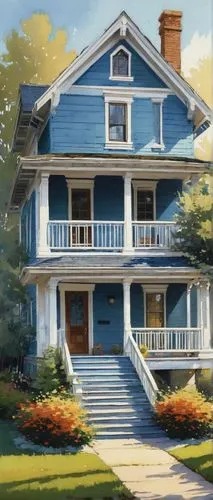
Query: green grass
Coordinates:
[26,476]
[198,457]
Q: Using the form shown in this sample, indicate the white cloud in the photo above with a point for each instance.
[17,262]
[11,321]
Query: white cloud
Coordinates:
[199,47]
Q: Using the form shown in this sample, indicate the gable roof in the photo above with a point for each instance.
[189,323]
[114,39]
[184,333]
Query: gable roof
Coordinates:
[124,28]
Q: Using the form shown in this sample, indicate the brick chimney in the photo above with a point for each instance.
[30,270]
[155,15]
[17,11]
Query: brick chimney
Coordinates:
[170,33]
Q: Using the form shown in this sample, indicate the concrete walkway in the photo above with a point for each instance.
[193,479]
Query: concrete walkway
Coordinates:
[149,472]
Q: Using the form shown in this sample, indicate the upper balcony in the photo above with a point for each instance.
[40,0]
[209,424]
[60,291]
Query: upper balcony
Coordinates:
[109,235]
[106,213]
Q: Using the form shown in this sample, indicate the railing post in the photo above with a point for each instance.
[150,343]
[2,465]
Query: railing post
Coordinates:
[127,310]
[189,288]
[128,243]
[43,215]
[205,314]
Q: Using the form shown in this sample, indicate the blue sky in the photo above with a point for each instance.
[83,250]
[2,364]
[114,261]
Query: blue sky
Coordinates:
[84,20]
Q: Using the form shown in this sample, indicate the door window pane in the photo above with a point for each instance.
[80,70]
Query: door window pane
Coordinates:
[81,204]
[77,310]
[120,64]
[117,122]
[145,208]
[155,310]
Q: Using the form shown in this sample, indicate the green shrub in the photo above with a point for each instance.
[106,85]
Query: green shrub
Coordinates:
[204,382]
[54,421]
[10,399]
[116,349]
[184,414]
[50,374]
[5,376]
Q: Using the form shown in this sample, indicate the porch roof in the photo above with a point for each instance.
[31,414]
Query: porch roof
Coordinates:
[111,261]
[93,268]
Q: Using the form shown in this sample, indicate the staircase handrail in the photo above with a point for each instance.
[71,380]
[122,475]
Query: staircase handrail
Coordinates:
[144,373]
[71,375]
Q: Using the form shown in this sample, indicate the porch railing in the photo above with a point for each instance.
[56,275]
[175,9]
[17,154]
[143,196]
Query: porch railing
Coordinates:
[153,234]
[144,373]
[85,234]
[169,339]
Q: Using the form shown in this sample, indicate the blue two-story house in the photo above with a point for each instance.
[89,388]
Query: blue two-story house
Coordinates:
[105,151]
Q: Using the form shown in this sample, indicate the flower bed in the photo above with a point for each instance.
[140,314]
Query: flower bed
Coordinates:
[55,422]
[10,398]
[183,414]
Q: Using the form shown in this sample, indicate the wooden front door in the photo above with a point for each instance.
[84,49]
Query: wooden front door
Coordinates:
[77,322]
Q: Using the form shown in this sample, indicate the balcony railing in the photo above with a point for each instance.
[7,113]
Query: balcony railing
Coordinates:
[153,234]
[169,339]
[85,234]
[107,235]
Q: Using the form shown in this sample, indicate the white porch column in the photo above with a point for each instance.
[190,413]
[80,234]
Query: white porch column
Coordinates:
[41,325]
[52,316]
[128,243]
[188,299]
[43,248]
[205,313]
[127,309]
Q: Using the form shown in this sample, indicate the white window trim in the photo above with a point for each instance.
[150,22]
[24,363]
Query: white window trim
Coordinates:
[121,78]
[80,184]
[161,145]
[162,289]
[121,99]
[144,186]
[75,287]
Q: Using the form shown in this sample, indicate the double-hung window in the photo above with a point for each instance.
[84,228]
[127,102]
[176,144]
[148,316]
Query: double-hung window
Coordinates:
[157,106]
[118,121]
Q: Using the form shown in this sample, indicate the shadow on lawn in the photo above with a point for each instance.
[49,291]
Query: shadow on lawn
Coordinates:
[39,487]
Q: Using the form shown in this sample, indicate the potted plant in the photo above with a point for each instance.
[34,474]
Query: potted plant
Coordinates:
[144,350]
[116,349]
[97,349]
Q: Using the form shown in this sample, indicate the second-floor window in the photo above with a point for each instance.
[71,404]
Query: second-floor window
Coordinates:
[118,122]
[157,106]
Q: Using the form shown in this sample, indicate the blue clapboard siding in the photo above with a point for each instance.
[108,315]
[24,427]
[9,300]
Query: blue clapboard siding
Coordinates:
[137,306]
[28,226]
[111,333]
[78,126]
[58,198]
[109,198]
[176,309]
[166,198]
[99,72]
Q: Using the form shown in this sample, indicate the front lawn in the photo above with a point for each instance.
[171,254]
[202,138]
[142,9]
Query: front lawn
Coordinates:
[198,457]
[53,477]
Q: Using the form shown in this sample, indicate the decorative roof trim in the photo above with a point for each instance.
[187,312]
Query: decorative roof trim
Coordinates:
[94,51]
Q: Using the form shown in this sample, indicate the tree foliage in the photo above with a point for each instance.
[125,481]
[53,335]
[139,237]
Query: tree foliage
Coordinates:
[200,79]
[35,55]
[195,224]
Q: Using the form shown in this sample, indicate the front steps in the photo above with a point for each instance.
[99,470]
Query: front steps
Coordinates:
[116,403]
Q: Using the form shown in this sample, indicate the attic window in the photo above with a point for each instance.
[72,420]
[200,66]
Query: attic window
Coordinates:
[120,64]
